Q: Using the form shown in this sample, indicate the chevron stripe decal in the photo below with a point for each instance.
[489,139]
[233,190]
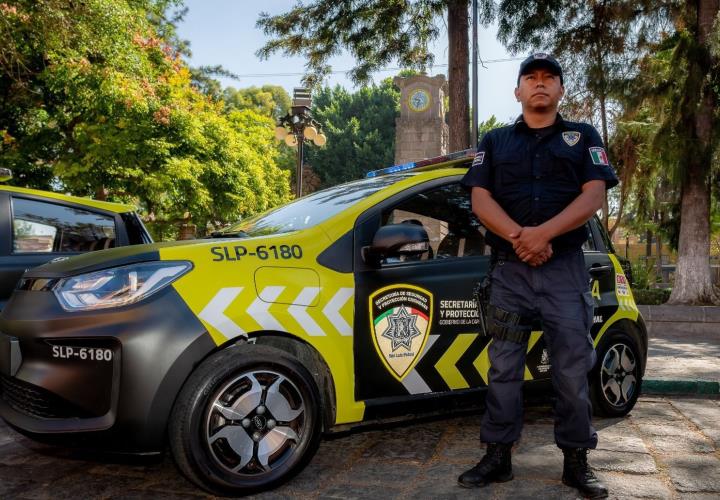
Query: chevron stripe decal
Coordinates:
[447,364]
[259,310]
[413,382]
[214,313]
[332,311]
[300,314]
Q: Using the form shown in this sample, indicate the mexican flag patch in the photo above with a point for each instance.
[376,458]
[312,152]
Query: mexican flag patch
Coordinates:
[599,156]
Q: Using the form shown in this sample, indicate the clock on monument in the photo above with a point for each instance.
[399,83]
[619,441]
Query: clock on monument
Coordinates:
[418,99]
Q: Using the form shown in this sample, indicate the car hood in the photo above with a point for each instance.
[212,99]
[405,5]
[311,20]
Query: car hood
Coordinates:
[103,259]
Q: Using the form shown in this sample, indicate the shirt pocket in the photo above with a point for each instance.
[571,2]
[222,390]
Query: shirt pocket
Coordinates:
[511,169]
[564,166]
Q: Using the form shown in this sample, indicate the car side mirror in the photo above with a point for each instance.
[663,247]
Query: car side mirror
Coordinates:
[5,174]
[395,240]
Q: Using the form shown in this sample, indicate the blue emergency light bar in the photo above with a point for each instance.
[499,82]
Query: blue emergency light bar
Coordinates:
[458,157]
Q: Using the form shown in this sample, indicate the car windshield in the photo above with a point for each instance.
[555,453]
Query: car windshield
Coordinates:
[310,210]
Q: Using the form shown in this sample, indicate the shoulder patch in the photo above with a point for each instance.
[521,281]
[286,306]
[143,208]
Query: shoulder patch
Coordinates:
[571,138]
[599,156]
[479,159]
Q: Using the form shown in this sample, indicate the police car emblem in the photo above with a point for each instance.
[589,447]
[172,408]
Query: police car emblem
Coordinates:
[400,320]
[599,156]
[479,158]
[571,138]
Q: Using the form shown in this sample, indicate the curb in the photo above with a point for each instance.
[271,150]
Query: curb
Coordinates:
[689,387]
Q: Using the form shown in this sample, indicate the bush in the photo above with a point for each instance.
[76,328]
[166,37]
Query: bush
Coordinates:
[652,297]
[643,273]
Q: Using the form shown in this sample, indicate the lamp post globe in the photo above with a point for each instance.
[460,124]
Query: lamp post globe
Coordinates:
[297,126]
[291,140]
[280,132]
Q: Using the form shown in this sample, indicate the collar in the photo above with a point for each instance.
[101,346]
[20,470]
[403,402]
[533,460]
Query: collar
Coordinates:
[559,123]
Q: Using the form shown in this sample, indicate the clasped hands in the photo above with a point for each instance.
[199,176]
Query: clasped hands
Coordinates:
[532,245]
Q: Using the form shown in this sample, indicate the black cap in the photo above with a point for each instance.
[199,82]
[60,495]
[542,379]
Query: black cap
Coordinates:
[540,60]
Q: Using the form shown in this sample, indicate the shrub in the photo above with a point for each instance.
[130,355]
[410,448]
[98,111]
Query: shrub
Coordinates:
[652,297]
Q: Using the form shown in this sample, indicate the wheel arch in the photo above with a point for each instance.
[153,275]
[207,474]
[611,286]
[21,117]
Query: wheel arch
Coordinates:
[637,330]
[307,355]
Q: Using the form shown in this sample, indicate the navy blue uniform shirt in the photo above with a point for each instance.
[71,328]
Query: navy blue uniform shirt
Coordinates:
[533,174]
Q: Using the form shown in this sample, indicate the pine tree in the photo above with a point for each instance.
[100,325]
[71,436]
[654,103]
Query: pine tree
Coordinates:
[377,33]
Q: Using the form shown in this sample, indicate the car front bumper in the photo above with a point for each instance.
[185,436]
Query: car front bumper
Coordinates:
[106,377]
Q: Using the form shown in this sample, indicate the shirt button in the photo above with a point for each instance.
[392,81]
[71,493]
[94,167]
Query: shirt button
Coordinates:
[537,198]
[537,155]
[537,176]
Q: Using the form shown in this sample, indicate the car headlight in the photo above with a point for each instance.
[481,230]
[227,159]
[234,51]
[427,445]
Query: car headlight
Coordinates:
[117,286]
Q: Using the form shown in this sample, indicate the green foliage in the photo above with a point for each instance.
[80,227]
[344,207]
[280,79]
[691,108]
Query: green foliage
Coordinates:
[488,125]
[93,101]
[360,128]
[643,273]
[375,33]
[651,297]
[268,100]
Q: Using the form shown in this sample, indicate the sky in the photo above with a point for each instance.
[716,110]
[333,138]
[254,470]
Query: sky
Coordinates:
[223,32]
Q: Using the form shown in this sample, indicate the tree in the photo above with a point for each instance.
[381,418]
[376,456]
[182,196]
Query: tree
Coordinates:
[269,100]
[360,128]
[597,42]
[691,130]
[93,101]
[377,33]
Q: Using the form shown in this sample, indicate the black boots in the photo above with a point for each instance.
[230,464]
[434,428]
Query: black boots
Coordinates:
[495,467]
[577,474]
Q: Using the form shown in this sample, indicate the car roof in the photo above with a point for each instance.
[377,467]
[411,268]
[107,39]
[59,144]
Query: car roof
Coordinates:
[88,202]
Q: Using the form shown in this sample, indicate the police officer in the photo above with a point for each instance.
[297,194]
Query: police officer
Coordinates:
[534,186]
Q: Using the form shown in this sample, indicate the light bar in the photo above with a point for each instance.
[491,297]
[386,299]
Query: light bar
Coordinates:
[458,156]
[391,170]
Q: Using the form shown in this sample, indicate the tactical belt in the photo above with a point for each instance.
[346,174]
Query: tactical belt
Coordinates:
[506,325]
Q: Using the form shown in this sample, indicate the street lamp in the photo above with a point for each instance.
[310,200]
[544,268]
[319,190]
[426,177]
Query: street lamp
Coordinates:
[298,126]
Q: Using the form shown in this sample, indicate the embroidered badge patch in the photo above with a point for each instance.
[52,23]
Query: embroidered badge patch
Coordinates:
[599,156]
[479,158]
[571,138]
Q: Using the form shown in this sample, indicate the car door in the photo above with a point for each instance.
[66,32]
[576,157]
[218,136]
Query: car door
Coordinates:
[416,322]
[37,230]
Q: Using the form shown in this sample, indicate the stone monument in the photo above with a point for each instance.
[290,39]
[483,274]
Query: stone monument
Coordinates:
[421,131]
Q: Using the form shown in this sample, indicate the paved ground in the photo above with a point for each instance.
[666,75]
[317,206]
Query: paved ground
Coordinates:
[667,448]
[678,354]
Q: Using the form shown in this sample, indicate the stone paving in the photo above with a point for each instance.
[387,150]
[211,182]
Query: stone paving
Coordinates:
[667,448]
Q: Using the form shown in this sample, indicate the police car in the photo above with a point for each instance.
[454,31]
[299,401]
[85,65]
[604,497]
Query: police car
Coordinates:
[348,306]
[39,226]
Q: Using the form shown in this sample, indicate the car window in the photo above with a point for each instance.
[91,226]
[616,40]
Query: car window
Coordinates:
[589,245]
[312,209]
[446,215]
[40,227]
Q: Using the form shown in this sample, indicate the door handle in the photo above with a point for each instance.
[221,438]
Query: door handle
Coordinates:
[598,271]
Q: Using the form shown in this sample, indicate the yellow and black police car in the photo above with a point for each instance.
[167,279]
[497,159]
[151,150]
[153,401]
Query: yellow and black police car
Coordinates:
[39,226]
[350,305]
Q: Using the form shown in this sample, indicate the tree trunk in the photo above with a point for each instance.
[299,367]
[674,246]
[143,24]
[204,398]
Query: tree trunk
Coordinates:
[658,253]
[693,279]
[621,208]
[458,78]
[648,243]
[603,122]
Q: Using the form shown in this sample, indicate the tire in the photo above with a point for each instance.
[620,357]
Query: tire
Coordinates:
[247,420]
[616,378]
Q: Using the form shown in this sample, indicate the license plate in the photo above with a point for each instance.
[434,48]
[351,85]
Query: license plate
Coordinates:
[10,357]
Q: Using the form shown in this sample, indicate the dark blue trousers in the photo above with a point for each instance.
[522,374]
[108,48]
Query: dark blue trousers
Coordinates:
[558,292]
